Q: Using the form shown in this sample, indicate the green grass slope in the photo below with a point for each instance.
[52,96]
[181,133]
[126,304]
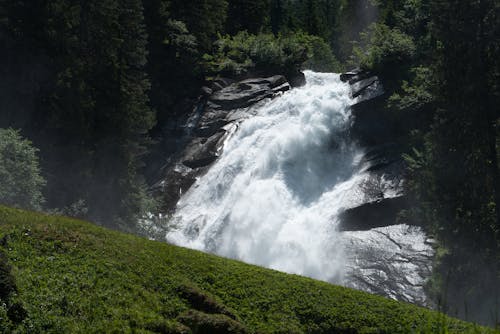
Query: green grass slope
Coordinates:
[59,275]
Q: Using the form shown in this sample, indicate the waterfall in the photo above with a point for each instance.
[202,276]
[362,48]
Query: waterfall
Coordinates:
[274,197]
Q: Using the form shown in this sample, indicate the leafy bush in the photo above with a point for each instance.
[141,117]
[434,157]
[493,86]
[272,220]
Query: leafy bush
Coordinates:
[7,284]
[21,183]
[244,52]
[414,95]
[321,57]
[388,49]
[200,322]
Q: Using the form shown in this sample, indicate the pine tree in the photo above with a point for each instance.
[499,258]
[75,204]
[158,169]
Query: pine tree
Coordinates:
[277,16]
[204,19]
[248,15]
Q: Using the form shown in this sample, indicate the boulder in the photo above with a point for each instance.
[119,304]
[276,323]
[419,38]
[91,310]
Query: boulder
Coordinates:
[202,152]
[205,91]
[381,156]
[297,79]
[274,81]
[216,86]
[224,82]
[247,92]
[362,86]
[355,76]
[282,88]
[380,213]
[344,77]
[175,181]
[373,123]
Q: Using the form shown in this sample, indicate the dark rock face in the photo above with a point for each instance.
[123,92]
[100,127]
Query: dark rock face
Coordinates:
[373,123]
[226,103]
[344,77]
[297,79]
[382,156]
[361,87]
[383,256]
[380,213]
[355,75]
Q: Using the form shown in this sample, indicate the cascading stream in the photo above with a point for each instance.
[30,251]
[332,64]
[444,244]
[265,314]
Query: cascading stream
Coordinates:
[273,197]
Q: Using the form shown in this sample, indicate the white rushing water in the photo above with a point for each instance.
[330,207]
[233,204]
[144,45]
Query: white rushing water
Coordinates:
[273,197]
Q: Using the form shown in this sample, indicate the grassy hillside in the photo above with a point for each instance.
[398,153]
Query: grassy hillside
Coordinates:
[62,275]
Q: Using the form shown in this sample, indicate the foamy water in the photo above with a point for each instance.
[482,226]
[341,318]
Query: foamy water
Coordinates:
[273,197]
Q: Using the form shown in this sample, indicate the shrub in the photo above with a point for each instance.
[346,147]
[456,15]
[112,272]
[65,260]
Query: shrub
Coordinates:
[22,183]
[414,95]
[387,49]
[200,322]
[244,52]
[7,284]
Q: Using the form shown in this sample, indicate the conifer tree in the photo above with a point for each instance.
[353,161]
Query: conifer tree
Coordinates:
[249,15]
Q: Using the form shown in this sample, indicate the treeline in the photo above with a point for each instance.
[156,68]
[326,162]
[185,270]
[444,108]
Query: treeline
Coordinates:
[440,61]
[92,83]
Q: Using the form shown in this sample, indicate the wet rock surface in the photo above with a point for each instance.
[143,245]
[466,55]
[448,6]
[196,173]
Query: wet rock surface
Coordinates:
[381,213]
[226,103]
[393,261]
[382,256]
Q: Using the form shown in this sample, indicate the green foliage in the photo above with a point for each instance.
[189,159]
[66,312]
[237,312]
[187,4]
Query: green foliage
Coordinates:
[75,277]
[269,53]
[389,50]
[204,18]
[7,284]
[416,95]
[200,322]
[316,17]
[21,184]
[173,60]
[450,84]
[247,15]
[91,114]
[97,75]
[321,57]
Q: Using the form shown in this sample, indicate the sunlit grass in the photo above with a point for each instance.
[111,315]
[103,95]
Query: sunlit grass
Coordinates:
[74,277]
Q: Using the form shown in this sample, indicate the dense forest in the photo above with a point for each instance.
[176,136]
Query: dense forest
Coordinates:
[440,62]
[91,85]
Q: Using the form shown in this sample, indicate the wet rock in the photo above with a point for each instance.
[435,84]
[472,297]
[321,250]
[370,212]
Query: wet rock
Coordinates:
[176,180]
[360,87]
[344,77]
[274,81]
[223,82]
[393,261]
[373,123]
[355,75]
[380,213]
[205,91]
[202,152]
[247,92]
[297,79]
[382,156]
[216,86]
[282,88]
[227,103]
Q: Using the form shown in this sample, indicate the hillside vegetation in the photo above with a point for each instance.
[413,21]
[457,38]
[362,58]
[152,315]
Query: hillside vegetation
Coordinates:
[62,275]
